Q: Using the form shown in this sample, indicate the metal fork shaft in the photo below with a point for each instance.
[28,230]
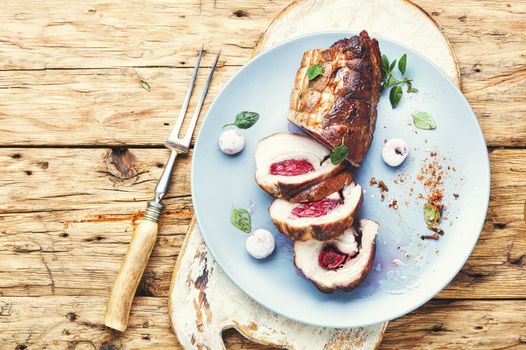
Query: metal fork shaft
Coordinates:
[155,207]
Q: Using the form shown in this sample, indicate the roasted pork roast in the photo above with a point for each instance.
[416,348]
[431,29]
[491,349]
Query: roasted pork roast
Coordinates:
[340,104]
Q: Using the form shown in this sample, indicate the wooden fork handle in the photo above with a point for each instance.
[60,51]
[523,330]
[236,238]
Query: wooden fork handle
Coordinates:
[132,268]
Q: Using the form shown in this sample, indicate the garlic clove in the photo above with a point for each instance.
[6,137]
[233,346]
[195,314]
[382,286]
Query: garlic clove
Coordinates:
[395,151]
[231,141]
[260,244]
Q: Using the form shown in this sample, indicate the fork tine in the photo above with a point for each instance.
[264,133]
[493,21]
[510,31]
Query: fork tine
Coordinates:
[179,122]
[188,137]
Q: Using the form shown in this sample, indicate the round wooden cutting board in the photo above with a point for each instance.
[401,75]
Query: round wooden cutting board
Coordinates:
[203,301]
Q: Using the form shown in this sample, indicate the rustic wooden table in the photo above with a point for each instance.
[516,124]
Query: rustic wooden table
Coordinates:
[81,149]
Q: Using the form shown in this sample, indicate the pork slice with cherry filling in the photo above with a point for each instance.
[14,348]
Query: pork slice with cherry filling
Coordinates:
[343,262]
[320,220]
[288,164]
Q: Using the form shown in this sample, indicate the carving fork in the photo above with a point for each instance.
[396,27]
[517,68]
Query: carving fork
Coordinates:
[145,234]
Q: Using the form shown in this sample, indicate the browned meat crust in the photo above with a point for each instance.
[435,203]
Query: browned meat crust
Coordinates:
[341,103]
[323,189]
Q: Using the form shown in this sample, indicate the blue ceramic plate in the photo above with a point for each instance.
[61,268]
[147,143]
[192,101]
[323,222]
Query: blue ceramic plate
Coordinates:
[407,271]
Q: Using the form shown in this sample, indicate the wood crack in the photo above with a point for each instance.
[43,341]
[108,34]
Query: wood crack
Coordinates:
[49,274]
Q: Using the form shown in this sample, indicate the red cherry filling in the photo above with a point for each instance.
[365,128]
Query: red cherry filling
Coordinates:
[331,258]
[291,167]
[316,209]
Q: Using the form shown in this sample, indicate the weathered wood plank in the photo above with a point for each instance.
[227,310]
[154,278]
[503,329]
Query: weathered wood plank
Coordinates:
[76,323]
[489,38]
[98,107]
[72,179]
[70,220]
[460,325]
[69,34]
[65,34]
[107,106]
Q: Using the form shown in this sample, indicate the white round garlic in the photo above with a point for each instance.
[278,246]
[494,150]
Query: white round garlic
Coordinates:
[231,141]
[395,152]
[260,244]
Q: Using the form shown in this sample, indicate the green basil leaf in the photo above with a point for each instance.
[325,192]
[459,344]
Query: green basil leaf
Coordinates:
[391,67]
[402,64]
[144,85]
[423,120]
[240,218]
[245,120]
[395,95]
[314,71]
[431,215]
[338,154]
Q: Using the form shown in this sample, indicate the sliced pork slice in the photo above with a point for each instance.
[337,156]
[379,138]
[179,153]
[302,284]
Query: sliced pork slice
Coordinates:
[321,220]
[343,262]
[287,164]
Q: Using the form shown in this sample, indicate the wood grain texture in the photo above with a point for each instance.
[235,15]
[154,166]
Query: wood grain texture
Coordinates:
[99,106]
[58,322]
[101,34]
[54,238]
[107,47]
[69,76]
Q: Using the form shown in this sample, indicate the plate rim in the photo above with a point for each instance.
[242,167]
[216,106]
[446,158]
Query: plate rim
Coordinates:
[486,195]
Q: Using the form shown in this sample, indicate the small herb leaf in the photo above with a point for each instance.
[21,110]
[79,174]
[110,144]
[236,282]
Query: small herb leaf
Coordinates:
[245,120]
[423,120]
[391,67]
[395,95]
[410,87]
[385,67]
[402,64]
[240,218]
[385,62]
[144,85]
[314,71]
[431,215]
[338,154]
